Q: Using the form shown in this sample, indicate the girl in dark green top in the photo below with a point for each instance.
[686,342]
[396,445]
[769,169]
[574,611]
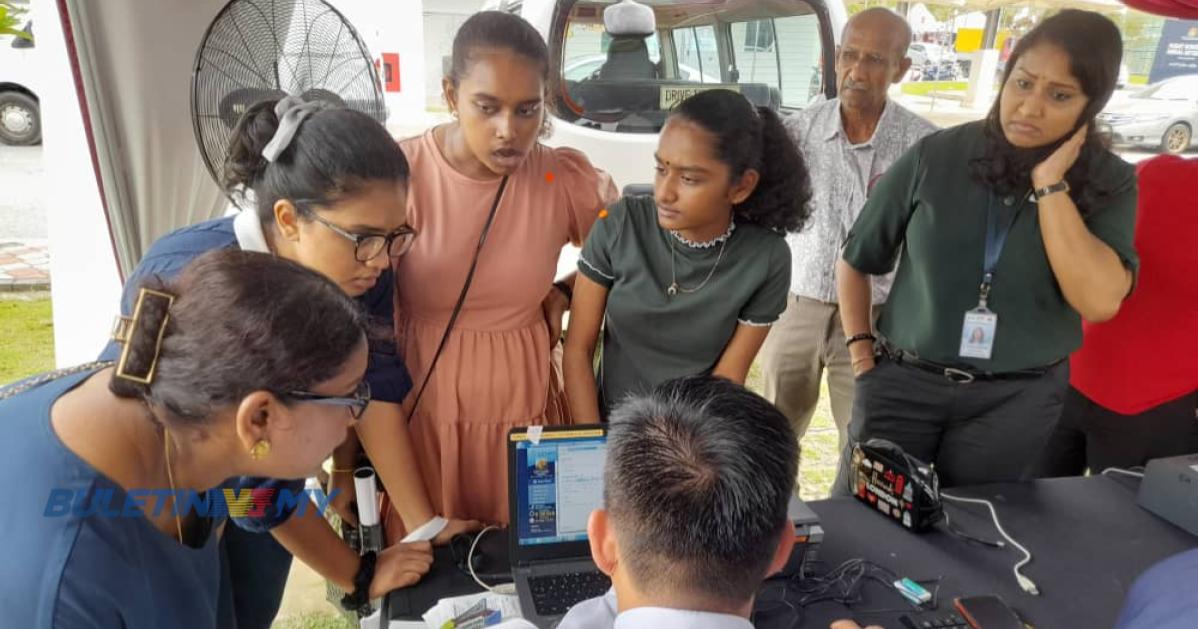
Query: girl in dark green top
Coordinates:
[976,330]
[689,280]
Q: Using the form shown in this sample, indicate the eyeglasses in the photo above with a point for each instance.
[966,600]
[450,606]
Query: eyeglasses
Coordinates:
[357,404]
[368,247]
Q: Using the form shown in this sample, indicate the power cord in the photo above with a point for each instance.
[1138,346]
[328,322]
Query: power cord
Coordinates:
[503,588]
[1026,584]
[1119,470]
[948,526]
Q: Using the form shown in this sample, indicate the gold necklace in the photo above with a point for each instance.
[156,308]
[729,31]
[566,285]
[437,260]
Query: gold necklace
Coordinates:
[166,451]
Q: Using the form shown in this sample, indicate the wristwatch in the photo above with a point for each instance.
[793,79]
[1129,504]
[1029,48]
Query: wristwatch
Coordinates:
[1060,186]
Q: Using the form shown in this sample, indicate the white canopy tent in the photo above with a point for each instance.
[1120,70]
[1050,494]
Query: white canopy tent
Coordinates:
[121,160]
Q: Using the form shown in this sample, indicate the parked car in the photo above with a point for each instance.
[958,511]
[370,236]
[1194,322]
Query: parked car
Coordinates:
[1162,115]
[20,112]
[923,53]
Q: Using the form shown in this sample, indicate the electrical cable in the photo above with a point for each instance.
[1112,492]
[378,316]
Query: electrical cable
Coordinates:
[503,588]
[948,526]
[1026,584]
[1119,470]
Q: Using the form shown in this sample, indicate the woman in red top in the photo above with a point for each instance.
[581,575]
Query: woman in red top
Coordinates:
[1134,382]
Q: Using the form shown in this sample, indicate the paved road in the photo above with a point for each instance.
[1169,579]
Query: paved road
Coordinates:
[22,207]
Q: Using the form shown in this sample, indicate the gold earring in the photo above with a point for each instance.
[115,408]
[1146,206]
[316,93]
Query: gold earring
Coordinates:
[260,450]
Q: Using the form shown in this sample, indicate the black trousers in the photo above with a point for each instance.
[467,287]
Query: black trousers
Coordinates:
[985,431]
[1090,436]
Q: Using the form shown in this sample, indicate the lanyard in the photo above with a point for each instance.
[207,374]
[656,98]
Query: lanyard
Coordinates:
[997,231]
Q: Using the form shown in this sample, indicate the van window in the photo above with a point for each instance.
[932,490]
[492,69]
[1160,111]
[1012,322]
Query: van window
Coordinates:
[769,52]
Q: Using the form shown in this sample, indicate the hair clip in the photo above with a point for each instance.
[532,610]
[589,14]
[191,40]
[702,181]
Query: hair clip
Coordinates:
[126,327]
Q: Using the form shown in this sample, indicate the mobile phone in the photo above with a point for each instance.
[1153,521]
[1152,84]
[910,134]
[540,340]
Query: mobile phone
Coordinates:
[988,612]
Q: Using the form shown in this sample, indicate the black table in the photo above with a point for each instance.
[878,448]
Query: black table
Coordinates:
[1088,539]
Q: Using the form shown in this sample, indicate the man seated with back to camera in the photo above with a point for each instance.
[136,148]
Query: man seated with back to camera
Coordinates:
[698,477]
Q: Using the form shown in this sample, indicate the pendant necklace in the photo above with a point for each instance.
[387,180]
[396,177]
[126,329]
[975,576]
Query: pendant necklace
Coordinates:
[674,287]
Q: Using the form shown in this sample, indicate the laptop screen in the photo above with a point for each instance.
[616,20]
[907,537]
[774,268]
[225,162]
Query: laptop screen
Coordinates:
[559,482]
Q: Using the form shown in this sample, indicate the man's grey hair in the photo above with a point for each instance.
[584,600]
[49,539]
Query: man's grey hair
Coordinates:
[897,25]
[698,477]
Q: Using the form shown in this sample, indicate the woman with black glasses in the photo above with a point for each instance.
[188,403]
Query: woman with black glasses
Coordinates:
[329,188]
[244,367]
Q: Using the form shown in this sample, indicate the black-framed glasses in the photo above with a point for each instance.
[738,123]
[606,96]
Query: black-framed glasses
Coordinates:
[368,246]
[357,403]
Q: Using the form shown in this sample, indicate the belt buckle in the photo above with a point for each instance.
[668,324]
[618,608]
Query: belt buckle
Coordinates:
[959,376]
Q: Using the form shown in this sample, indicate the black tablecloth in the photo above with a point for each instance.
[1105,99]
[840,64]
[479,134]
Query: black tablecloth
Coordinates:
[1088,539]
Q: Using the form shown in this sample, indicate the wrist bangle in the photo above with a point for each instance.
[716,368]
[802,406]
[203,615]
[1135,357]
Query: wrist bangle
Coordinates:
[359,599]
[338,470]
[564,287]
[427,531]
[864,336]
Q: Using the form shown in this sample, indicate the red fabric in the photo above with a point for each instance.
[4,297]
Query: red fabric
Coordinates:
[1186,9]
[1148,354]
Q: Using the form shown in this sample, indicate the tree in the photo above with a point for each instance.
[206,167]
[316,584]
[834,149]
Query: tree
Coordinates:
[12,19]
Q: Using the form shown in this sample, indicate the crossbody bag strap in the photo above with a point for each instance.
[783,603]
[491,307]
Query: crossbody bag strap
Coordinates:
[457,308]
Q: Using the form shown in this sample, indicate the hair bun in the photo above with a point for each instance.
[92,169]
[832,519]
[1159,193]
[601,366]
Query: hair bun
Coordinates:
[244,163]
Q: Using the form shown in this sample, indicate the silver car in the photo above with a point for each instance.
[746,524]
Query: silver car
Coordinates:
[1162,115]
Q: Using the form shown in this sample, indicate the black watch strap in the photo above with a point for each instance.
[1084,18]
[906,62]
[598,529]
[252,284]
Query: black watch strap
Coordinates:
[1060,186]
[360,597]
[863,336]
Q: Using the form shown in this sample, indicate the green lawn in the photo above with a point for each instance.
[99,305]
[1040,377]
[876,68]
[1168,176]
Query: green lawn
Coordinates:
[921,88]
[315,620]
[26,335]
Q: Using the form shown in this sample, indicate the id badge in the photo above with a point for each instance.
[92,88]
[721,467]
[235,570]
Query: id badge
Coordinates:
[977,334]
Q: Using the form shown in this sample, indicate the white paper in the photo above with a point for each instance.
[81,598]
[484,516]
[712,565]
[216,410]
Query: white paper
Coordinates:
[447,609]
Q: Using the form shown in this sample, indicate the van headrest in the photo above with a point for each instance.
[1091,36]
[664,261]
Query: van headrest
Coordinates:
[629,18]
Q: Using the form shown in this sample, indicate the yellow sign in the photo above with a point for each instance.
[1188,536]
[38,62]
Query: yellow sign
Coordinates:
[560,434]
[969,39]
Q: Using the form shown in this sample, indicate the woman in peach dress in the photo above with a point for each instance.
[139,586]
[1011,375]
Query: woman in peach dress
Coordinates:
[501,364]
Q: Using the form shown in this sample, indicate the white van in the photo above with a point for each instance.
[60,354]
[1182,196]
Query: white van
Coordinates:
[611,92]
[20,113]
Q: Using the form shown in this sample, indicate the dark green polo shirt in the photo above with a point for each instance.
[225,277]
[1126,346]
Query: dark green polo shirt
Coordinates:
[650,337]
[929,213]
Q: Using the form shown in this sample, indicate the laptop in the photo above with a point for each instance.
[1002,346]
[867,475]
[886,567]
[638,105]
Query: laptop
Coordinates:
[555,480]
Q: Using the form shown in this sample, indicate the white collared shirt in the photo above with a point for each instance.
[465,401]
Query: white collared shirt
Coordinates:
[248,230]
[842,174]
[600,613]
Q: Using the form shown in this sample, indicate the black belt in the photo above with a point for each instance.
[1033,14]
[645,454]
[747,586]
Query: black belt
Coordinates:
[963,375]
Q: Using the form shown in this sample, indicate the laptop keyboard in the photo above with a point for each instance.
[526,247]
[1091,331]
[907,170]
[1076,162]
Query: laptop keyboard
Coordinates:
[933,620]
[555,594]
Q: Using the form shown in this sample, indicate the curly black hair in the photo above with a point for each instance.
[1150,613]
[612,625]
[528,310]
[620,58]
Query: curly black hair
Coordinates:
[1095,50]
[748,137]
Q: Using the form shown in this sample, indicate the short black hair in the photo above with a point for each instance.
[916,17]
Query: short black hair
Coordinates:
[748,137]
[698,477]
[335,154]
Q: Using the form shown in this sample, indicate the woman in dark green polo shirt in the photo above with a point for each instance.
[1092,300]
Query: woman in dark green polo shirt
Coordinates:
[1007,232]
[689,280]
